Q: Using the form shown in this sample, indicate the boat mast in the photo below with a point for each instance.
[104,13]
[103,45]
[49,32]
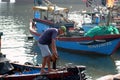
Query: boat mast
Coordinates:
[110,5]
[1,33]
[109,19]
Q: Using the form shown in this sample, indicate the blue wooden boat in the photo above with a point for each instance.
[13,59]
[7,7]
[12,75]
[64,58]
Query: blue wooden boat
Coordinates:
[103,44]
[99,44]
[16,71]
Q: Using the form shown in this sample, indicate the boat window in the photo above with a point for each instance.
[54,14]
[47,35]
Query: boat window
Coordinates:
[43,15]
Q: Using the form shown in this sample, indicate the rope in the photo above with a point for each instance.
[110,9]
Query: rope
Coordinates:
[79,73]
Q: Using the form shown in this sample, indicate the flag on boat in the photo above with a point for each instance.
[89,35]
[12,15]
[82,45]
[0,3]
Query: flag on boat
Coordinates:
[110,3]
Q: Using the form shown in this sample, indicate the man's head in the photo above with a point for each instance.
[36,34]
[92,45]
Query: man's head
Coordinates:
[62,30]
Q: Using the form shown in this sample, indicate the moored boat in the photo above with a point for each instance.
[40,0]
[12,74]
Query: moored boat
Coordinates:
[50,15]
[31,72]
[102,44]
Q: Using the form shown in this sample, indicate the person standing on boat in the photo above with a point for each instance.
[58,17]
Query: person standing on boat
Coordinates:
[97,19]
[46,40]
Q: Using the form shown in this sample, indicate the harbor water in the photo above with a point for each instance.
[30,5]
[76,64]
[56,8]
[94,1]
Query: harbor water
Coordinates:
[19,46]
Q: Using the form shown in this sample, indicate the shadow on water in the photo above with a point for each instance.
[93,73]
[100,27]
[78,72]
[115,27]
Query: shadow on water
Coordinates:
[101,65]
[116,56]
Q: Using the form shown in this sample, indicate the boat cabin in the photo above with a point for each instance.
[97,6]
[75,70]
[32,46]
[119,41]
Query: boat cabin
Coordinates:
[91,17]
[55,15]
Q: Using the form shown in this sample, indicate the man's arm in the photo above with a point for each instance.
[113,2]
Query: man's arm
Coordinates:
[54,51]
[53,46]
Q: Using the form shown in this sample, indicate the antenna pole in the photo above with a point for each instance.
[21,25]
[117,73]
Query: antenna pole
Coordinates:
[1,33]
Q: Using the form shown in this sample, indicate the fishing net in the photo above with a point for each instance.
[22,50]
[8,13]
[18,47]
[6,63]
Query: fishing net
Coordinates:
[102,30]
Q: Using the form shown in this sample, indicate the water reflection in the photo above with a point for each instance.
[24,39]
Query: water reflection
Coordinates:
[14,39]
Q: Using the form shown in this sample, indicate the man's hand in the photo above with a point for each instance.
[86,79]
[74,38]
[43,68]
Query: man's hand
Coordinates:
[54,57]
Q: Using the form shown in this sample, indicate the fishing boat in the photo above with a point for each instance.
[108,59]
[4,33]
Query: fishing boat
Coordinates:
[50,15]
[102,44]
[85,19]
[22,72]
[16,71]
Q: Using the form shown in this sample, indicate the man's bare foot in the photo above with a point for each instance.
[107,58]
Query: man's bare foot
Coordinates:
[52,70]
[43,71]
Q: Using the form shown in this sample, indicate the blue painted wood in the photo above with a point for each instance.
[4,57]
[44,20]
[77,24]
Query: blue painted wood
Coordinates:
[105,48]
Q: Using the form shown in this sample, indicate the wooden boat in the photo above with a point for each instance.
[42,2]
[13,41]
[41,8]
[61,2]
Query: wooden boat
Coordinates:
[51,15]
[102,44]
[22,72]
[98,44]
[99,13]
[17,71]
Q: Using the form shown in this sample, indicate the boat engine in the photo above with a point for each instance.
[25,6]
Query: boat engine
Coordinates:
[5,66]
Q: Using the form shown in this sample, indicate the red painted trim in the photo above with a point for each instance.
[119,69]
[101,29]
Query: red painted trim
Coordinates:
[88,38]
[51,76]
[44,21]
[74,38]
